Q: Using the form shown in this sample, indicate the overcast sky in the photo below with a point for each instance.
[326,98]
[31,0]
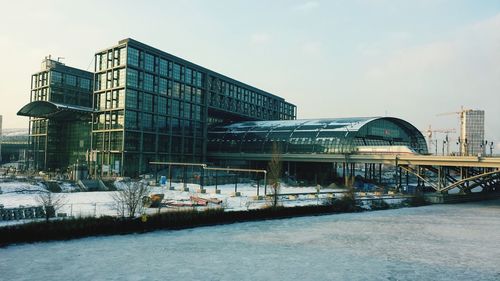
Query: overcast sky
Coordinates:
[408,59]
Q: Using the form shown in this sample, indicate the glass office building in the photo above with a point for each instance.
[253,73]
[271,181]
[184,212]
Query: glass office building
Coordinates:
[152,106]
[60,114]
[472,133]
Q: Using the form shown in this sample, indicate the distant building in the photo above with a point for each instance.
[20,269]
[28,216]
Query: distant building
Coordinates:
[472,132]
[59,111]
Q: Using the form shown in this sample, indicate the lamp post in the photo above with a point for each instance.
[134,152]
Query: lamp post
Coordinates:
[491,148]
[482,146]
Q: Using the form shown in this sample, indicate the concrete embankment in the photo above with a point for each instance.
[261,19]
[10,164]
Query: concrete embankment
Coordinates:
[438,198]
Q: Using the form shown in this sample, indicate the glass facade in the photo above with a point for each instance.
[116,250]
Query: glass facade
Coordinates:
[56,143]
[331,136]
[153,106]
[472,133]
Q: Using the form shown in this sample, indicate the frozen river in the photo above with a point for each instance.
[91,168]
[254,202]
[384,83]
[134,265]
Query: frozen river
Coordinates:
[441,242]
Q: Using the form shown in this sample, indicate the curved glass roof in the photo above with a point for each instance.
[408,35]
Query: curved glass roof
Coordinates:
[51,110]
[340,135]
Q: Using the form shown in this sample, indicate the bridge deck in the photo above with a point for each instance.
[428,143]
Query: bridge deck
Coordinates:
[426,160]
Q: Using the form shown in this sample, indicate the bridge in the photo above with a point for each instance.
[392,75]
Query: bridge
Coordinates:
[441,173]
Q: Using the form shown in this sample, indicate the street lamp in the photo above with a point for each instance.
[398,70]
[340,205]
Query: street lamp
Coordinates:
[483,145]
[491,148]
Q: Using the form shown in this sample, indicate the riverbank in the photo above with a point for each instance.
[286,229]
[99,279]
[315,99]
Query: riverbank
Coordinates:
[84,227]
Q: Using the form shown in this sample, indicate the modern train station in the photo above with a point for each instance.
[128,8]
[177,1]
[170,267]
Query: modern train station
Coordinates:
[142,105]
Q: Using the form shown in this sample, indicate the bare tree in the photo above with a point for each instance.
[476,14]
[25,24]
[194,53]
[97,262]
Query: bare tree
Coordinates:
[129,198]
[274,174]
[51,202]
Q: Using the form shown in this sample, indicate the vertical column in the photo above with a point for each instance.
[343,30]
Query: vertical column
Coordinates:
[380,173]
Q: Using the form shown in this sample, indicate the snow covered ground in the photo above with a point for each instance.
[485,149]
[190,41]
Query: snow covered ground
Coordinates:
[439,242]
[81,204]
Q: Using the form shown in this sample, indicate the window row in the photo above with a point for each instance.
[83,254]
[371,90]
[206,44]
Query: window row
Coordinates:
[162,144]
[166,125]
[110,79]
[109,100]
[163,105]
[40,79]
[163,67]
[40,94]
[109,120]
[110,58]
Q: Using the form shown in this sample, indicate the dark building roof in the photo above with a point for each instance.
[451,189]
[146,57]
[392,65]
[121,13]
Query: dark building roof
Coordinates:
[340,135]
[56,111]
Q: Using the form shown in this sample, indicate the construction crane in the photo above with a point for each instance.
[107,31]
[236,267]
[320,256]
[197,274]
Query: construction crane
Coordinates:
[429,132]
[471,139]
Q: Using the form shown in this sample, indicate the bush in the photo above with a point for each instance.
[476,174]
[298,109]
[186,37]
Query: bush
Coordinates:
[379,205]
[83,227]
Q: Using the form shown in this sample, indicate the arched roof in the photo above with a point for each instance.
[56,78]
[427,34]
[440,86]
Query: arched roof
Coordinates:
[339,135]
[57,111]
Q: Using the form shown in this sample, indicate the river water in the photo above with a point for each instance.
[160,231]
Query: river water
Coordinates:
[439,242]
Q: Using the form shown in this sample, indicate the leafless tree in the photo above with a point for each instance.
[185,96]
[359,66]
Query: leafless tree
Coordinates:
[51,202]
[274,173]
[129,198]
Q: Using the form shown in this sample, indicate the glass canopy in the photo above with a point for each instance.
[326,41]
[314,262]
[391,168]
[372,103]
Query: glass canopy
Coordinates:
[332,136]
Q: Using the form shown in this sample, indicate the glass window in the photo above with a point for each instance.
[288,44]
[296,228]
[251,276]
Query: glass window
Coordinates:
[163,87]
[131,120]
[123,56]
[131,100]
[132,141]
[162,105]
[70,79]
[133,57]
[56,77]
[189,76]
[176,90]
[175,108]
[176,126]
[121,77]
[199,79]
[148,103]
[118,98]
[187,110]
[132,77]
[85,83]
[148,82]
[147,121]
[177,71]
[163,67]
[162,124]
[149,62]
